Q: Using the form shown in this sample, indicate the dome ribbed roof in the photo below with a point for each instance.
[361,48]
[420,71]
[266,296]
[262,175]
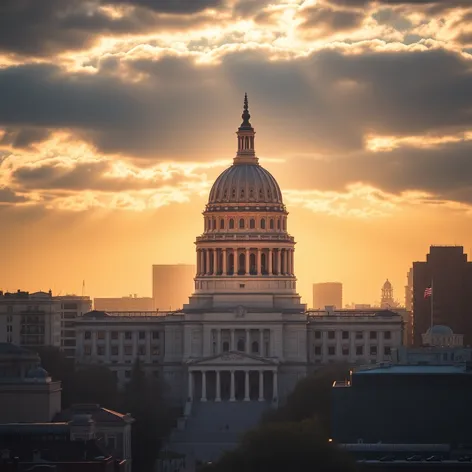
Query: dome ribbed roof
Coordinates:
[245,183]
[440,330]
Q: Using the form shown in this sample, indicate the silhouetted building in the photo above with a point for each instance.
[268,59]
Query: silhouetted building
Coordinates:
[328,294]
[172,285]
[409,290]
[451,274]
[131,303]
[401,404]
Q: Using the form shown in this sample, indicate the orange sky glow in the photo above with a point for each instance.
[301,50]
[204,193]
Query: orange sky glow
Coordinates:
[118,115]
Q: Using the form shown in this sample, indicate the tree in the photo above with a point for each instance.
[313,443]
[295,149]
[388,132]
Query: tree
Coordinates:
[311,398]
[143,398]
[284,446]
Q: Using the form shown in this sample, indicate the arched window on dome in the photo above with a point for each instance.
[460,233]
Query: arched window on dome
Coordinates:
[263,223]
[255,347]
[261,194]
[252,264]
[225,194]
[222,223]
[233,193]
[226,346]
[231,223]
[278,223]
[252,223]
[241,223]
[269,194]
[241,345]
[251,193]
[241,194]
[271,223]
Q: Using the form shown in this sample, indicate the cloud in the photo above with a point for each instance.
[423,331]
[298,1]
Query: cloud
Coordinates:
[7,195]
[23,137]
[174,6]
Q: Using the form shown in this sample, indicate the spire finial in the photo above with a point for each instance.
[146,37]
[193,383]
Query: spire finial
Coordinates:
[245,116]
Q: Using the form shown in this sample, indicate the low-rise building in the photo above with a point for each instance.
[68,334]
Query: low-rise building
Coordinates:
[131,303]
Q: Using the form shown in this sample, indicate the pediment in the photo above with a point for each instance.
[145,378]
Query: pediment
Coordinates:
[233,358]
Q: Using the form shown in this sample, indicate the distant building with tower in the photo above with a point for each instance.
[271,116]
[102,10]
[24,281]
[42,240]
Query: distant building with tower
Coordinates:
[447,268]
[131,303]
[409,290]
[171,285]
[327,294]
[386,300]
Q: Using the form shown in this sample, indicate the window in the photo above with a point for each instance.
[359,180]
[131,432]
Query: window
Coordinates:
[345,335]
[155,335]
[128,350]
[271,223]
[231,223]
[111,442]
[317,334]
[88,335]
[373,335]
[9,319]
[70,306]
[241,193]
[222,224]
[141,350]
[242,285]
[142,335]
[155,350]
[69,334]
[373,350]
[241,345]
[255,347]
[263,224]
[9,328]
[387,335]
[359,335]
[233,193]
[387,350]
[241,223]
[69,316]
[278,224]
[317,350]
[100,350]
[88,350]
[114,335]
[331,350]
[69,342]
[114,350]
[155,373]
[68,324]
[127,374]
[226,346]
[331,334]
[128,335]
[100,334]
[359,350]
[252,223]
[345,351]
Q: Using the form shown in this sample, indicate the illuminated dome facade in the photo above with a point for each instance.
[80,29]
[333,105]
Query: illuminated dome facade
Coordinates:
[245,247]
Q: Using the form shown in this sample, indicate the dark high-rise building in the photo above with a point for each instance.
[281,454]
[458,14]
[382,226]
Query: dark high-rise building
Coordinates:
[447,268]
[328,294]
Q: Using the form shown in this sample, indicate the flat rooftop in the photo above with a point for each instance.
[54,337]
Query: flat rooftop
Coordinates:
[415,370]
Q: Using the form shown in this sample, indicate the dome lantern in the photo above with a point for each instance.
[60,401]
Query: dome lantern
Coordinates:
[246,152]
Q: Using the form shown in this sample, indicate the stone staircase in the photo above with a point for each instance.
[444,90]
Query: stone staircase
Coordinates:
[215,427]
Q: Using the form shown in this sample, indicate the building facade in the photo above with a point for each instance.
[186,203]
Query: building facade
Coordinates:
[447,268]
[171,285]
[40,319]
[328,294]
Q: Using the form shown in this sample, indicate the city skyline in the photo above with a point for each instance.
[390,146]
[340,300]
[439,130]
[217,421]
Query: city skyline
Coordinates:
[112,131]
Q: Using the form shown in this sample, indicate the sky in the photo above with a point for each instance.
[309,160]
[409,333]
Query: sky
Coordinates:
[116,116]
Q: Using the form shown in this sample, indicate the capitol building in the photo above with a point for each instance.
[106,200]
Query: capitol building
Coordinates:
[244,339]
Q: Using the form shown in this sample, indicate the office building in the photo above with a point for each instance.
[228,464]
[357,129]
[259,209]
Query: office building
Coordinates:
[328,294]
[447,268]
[172,285]
[132,303]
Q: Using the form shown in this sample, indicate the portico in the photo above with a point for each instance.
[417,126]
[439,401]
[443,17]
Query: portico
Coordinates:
[233,376]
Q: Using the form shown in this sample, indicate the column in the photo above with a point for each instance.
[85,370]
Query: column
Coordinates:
[218,387]
[261,342]
[218,341]
[247,261]
[232,347]
[279,262]
[275,390]
[231,397]
[225,261]
[261,385]
[248,341]
[292,252]
[259,262]
[204,387]
[246,387]
[190,385]
[270,262]
[207,251]
[202,262]
[289,261]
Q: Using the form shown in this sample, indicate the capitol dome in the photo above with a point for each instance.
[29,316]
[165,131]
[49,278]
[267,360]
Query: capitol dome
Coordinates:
[246,181]
[440,330]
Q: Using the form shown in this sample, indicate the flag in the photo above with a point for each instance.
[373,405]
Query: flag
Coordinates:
[428,292]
